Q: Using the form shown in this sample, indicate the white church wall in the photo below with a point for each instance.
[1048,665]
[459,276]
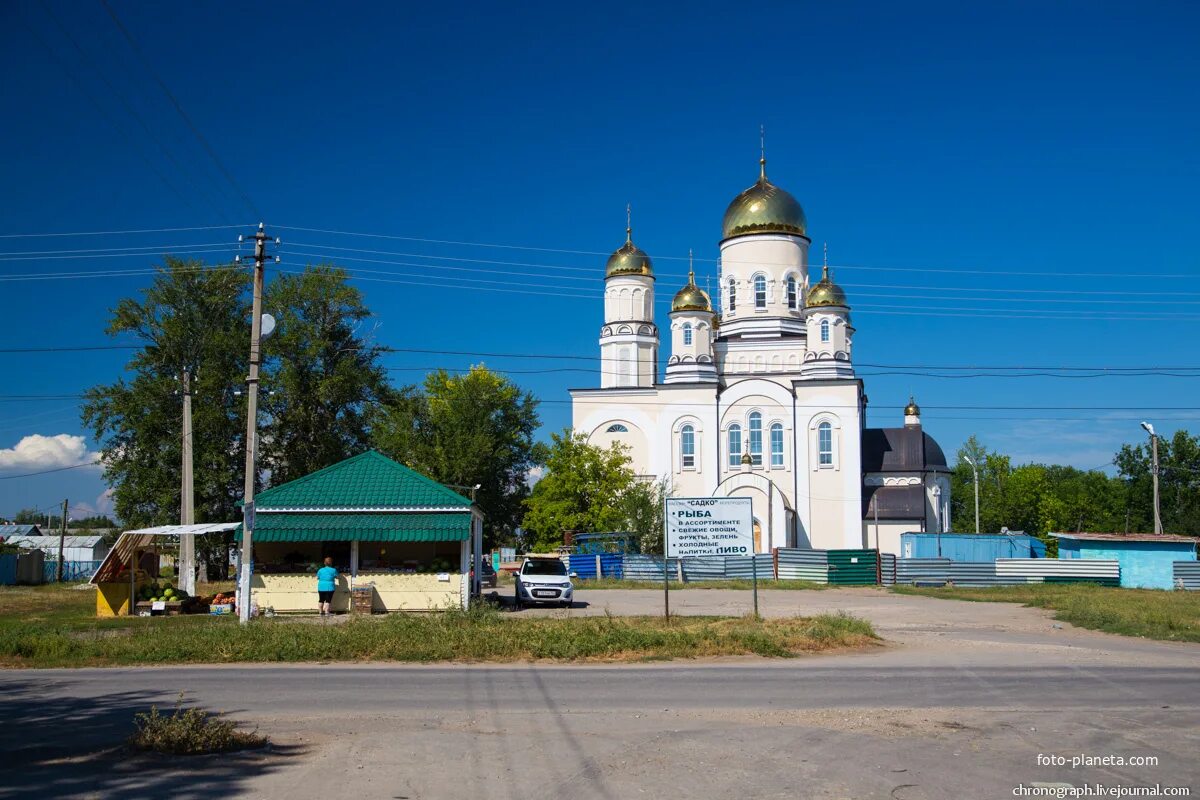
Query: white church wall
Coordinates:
[831,510]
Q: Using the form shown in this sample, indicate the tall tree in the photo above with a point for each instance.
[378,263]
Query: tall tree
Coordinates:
[322,374]
[191,317]
[583,490]
[467,430]
[1179,483]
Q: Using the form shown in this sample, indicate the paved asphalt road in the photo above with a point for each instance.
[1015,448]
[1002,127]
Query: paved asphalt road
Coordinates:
[959,704]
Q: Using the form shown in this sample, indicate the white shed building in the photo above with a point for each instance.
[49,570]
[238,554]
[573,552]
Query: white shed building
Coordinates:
[75,548]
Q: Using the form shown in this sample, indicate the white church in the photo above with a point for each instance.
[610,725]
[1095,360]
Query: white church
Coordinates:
[760,398]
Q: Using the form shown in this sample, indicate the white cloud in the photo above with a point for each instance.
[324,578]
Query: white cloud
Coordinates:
[533,475]
[46,452]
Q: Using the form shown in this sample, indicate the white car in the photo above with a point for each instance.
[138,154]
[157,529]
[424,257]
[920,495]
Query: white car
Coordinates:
[544,580]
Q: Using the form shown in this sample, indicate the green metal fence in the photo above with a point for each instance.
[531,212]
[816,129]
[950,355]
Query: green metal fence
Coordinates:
[853,567]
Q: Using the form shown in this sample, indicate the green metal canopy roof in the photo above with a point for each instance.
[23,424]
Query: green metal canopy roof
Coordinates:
[449,526]
[367,481]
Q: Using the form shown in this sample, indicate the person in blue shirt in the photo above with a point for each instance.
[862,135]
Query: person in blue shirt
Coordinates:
[326,583]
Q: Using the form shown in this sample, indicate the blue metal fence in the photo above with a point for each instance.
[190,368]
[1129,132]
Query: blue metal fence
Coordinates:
[8,569]
[72,570]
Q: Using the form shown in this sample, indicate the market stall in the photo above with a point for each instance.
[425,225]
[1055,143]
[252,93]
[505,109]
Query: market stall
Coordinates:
[130,570]
[400,541]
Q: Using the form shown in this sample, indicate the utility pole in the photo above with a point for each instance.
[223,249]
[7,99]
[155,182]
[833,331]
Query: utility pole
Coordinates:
[975,471]
[62,535]
[187,515]
[1158,529]
[260,258]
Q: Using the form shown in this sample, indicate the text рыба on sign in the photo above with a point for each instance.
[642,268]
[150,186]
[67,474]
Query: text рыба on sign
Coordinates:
[709,526]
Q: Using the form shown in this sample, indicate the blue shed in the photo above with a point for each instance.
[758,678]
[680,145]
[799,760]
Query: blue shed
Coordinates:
[971,546]
[1146,559]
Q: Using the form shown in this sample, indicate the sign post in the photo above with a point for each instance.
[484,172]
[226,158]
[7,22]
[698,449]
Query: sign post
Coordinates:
[709,526]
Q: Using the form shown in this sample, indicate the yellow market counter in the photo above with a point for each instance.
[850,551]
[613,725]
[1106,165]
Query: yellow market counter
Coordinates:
[394,591]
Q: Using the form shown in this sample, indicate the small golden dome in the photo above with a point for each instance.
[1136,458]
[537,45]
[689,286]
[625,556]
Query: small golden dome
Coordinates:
[826,292]
[691,297]
[912,409]
[629,259]
[764,208]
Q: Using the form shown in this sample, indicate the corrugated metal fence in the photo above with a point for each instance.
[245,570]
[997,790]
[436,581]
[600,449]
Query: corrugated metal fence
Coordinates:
[803,565]
[72,570]
[849,567]
[1187,575]
[809,565]
[1005,572]
[8,569]
[887,569]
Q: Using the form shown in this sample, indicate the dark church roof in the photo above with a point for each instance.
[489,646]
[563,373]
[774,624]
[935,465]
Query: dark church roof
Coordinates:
[894,502]
[907,449]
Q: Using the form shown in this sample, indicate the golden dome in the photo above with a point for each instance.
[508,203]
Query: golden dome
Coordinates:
[764,208]
[826,292]
[691,297]
[629,259]
[912,409]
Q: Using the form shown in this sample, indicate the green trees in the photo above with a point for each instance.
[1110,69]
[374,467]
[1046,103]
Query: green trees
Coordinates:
[322,374]
[191,317]
[586,488]
[1179,483]
[1040,498]
[466,430]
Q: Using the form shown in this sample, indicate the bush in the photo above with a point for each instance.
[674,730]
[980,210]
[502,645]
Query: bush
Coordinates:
[190,731]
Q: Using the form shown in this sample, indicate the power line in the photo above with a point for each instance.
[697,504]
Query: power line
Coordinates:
[940,270]
[597,278]
[859,308]
[130,250]
[120,130]
[133,113]
[48,471]
[117,233]
[595,272]
[179,107]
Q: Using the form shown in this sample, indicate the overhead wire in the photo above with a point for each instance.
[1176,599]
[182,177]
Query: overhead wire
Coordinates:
[179,108]
[939,270]
[99,72]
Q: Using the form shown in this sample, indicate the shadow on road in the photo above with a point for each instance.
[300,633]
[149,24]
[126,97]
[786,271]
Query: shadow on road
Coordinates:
[56,746]
[508,602]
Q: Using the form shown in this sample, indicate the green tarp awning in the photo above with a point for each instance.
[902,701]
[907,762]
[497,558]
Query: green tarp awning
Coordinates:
[364,526]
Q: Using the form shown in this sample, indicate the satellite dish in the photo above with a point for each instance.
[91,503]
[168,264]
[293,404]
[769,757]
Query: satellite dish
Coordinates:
[268,326]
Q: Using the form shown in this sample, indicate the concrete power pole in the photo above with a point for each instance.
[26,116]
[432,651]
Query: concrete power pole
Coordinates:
[260,258]
[62,535]
[1158,528]
[187,514]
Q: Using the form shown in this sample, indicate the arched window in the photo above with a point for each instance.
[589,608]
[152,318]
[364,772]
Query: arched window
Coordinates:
[825,444]
[824,330]
[776,445]
[687,447]
[617,427]
[687,334]
[735,445]
[791,292]
[756,438]
[760,291]
[732,294]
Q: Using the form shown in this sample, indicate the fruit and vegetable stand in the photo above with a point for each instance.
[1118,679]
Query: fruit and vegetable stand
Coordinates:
[399,540]
[130,570]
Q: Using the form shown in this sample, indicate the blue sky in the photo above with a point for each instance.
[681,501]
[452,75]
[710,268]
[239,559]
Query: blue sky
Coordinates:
[999,185]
